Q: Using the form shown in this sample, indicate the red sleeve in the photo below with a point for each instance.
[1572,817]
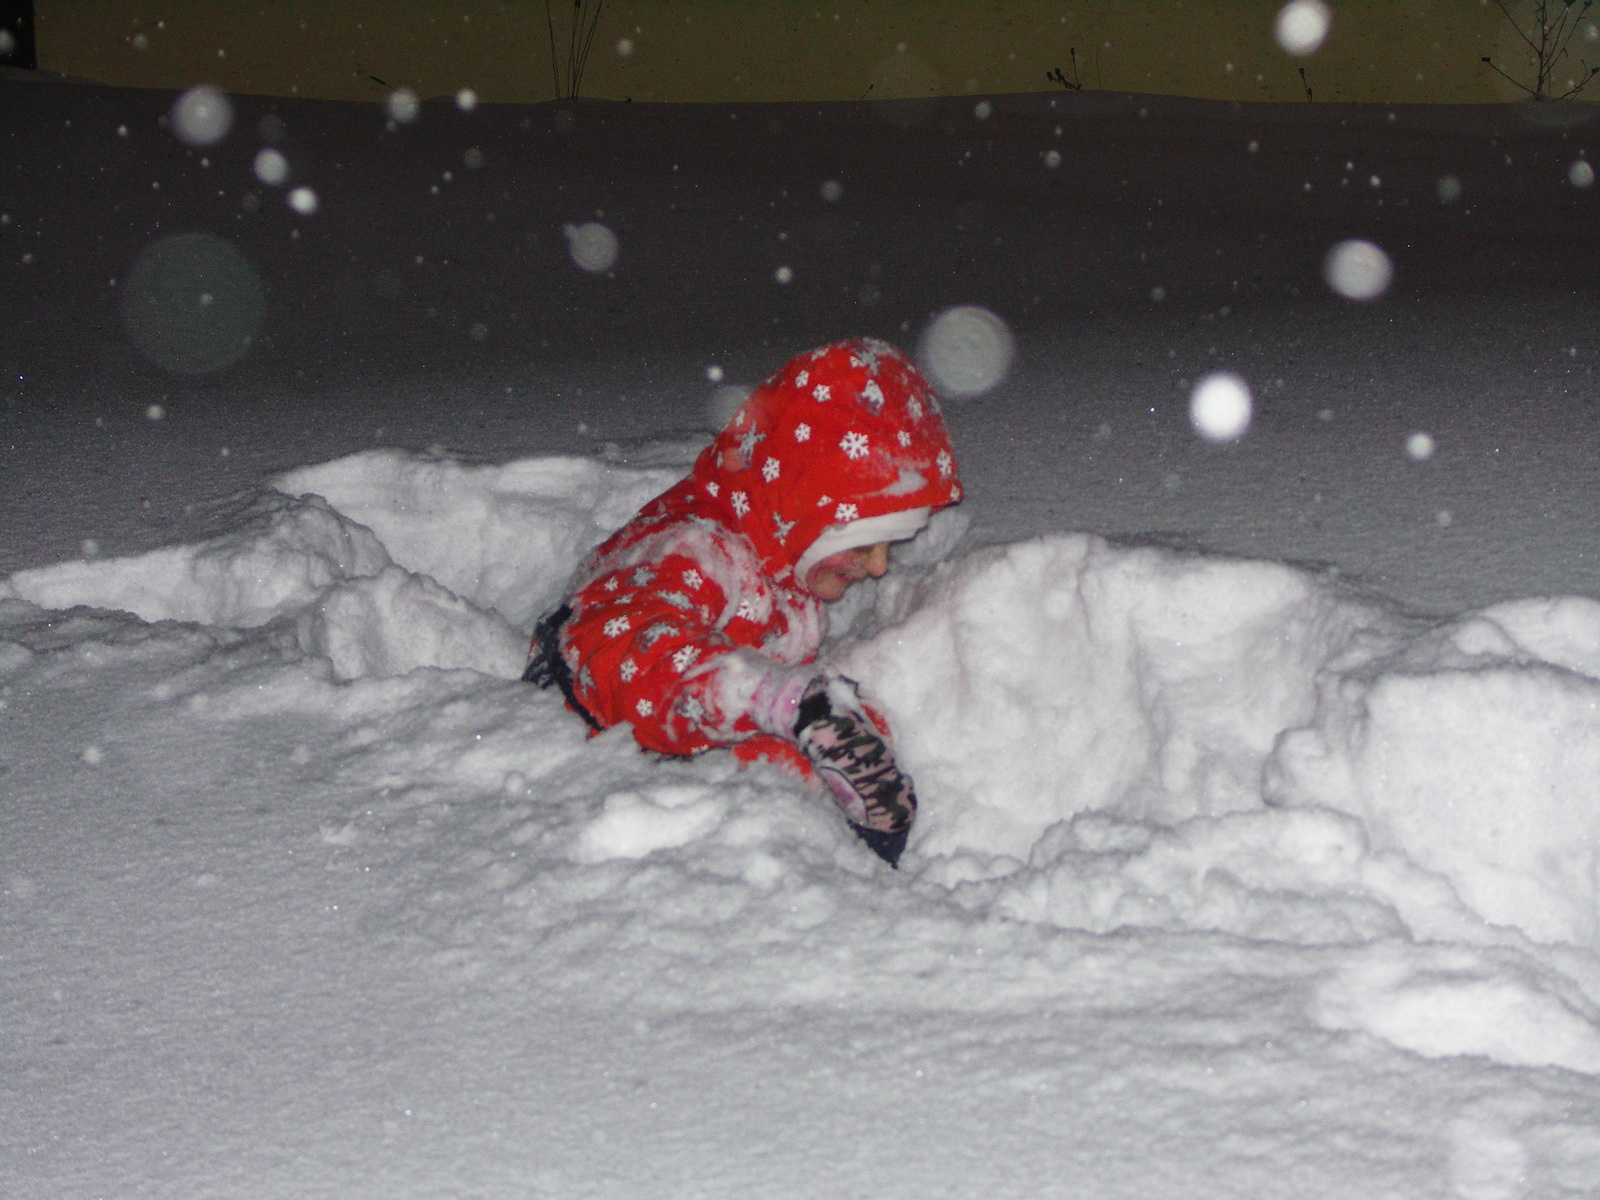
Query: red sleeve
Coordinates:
[638,642]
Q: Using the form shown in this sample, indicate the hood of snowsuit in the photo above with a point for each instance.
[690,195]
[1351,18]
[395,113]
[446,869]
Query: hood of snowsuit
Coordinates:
[845,432]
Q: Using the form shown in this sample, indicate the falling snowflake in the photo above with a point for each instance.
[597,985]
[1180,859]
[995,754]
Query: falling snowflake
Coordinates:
[644,708]
[684,657]
[945,463]
[872,396]
[822,392]
[692,579]
[628,669]
[741,503]
[784,528]
[802,432]
[854,444]
[846,512]
[617,626]
[769,470]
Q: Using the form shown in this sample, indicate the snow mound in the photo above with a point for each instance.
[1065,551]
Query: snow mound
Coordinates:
[383,562]
[1392,825]
[1047,678]
[394,622]
[276,562]
[1443,1000]
[1475,751]
[504,537]
[1033,683]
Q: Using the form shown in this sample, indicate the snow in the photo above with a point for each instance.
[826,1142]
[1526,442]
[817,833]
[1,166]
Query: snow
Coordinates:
[966,351]
[1259,845]
[593,246]
[1220,407]
[1302,26]
[1358,269]
[202,116]
[271,167]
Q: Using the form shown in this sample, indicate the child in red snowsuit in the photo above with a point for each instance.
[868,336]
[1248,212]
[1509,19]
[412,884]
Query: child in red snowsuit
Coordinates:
[698,621]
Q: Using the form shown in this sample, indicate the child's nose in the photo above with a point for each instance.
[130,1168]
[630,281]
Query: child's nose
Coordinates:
[877,561]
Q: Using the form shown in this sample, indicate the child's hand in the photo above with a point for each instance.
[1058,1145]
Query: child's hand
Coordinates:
[851,755]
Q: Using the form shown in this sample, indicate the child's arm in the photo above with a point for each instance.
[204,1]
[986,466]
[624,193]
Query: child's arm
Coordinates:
[645,650]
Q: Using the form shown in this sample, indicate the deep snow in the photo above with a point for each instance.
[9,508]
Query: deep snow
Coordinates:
[1260,845]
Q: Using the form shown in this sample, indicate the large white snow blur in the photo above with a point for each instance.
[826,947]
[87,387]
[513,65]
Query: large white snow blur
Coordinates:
[271,167]
[403,105]
[1302,26]
[1220,407]
[202,116]
[592,245]
[967,351]
[1358,270]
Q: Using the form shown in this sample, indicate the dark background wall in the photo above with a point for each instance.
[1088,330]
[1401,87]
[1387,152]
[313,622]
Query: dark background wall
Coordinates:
[738,51]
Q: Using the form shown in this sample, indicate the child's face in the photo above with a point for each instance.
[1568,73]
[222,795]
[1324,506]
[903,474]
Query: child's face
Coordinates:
[831,577]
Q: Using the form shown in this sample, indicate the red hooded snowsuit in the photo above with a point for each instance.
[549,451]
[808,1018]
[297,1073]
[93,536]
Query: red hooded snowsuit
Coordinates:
[680,614]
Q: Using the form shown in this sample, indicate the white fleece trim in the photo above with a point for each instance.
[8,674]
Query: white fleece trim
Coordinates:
[869,531]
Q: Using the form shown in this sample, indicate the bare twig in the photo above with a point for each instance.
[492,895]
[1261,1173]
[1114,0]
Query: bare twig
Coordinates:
[1548,44]
[555,73]
[580,31]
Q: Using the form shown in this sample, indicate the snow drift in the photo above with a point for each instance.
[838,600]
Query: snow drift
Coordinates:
[1105,737]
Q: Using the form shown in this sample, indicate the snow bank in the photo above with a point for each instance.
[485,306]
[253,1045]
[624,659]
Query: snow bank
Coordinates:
[505,537]
[1046,678]
[1395,821]
[275,563]
[1034,682]
[384,562]
[1475,750]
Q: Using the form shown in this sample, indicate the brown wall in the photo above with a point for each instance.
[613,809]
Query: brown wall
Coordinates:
[742,50]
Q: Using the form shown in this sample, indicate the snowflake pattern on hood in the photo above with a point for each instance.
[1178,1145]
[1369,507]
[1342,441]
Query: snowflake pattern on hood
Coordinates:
[842,433]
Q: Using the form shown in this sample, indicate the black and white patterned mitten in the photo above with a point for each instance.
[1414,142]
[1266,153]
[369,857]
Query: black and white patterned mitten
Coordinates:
[853,757]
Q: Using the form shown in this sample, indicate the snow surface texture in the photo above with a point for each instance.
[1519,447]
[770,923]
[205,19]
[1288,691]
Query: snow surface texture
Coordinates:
[1388,823]
[1105,737]
[1234,875]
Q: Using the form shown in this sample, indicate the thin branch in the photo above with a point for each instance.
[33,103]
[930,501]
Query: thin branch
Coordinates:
[1555,35]
[572,45]
[588,44]
[1506,12]
[555,72]
[1578,87]
[1513,82]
